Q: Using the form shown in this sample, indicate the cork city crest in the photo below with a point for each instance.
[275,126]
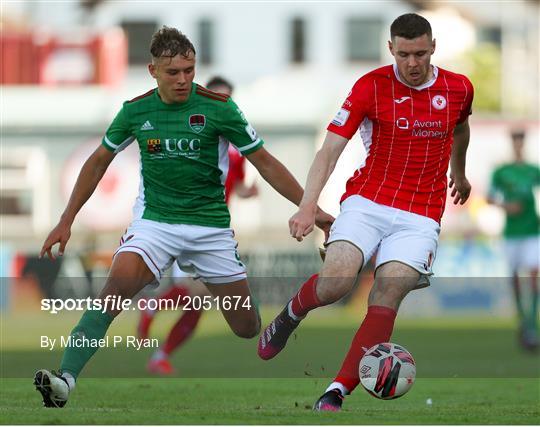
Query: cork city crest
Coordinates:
[197,122]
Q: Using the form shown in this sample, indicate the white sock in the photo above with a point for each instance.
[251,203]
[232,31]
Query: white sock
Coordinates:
[339,386]
[293,316]
[159,354]
[70,380]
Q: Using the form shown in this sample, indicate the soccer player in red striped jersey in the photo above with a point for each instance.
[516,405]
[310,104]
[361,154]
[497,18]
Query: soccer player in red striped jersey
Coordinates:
[185,287]
[413,119]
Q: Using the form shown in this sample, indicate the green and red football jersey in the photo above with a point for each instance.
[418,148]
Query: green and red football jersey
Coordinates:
[184,154]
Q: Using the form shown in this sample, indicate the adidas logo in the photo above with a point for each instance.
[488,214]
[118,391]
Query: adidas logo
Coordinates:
[147,126]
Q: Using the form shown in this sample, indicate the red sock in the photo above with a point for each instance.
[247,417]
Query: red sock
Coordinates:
[376,328]
[174,292]
[306,298]
[182,330]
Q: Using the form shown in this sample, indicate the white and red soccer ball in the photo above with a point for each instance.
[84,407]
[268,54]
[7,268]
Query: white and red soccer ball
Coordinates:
[387,371]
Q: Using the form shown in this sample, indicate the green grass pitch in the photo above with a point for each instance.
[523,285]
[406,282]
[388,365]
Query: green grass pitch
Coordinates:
[472,376]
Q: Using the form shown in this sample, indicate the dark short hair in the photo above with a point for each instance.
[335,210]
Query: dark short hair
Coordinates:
[410,26]
[169,42]
[517,133]
[219,81]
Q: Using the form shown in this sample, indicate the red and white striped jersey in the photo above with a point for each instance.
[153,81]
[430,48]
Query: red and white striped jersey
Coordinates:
[408,135]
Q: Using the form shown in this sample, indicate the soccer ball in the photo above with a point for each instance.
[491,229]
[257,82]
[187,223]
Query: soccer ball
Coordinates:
[387,371]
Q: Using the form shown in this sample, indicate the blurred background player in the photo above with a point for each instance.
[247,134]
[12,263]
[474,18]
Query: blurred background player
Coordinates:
[413,119]
[184,286]
[512,189]
[178,127]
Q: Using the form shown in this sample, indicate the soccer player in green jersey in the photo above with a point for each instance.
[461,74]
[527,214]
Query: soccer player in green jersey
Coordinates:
[180,213]
[512,186]
[184,287]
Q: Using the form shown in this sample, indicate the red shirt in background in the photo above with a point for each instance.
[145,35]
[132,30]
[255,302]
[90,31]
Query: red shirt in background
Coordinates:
[236,171]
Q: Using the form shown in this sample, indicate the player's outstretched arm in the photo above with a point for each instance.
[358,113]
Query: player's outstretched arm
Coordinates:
[276,174]
[301,223]
[461,188]
[279,177]
[91,173]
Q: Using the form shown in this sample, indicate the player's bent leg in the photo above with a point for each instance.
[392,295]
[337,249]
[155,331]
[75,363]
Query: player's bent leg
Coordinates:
[128,275]
[243,318]
[342,262]
[341,266]
[393,281]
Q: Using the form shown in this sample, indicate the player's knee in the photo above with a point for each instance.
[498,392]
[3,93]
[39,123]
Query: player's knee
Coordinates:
[247,331]
[338,276]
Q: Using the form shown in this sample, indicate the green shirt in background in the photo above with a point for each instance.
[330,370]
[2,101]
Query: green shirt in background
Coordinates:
[515,183]
[184,154]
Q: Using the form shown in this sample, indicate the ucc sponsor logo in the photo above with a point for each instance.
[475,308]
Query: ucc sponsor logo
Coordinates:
[174,147]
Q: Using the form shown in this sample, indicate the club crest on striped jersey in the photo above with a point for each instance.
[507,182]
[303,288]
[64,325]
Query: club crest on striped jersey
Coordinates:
[197,122]
[438,102]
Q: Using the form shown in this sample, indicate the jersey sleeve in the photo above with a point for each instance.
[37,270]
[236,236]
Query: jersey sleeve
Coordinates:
[466,111]
[119,134]
[238,131]
[354,109]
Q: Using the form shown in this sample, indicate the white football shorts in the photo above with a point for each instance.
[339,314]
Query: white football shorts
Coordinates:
[395,234]
[522,253]
[178,273]
[208,253]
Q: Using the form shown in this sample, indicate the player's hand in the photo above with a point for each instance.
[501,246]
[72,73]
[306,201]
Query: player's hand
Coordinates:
[302,223]
[461,189]
[59,234]
[252,191]
[245,192]
[324,221]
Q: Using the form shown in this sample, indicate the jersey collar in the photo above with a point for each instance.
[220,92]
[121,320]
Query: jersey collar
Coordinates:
[427,84]
[178,105]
